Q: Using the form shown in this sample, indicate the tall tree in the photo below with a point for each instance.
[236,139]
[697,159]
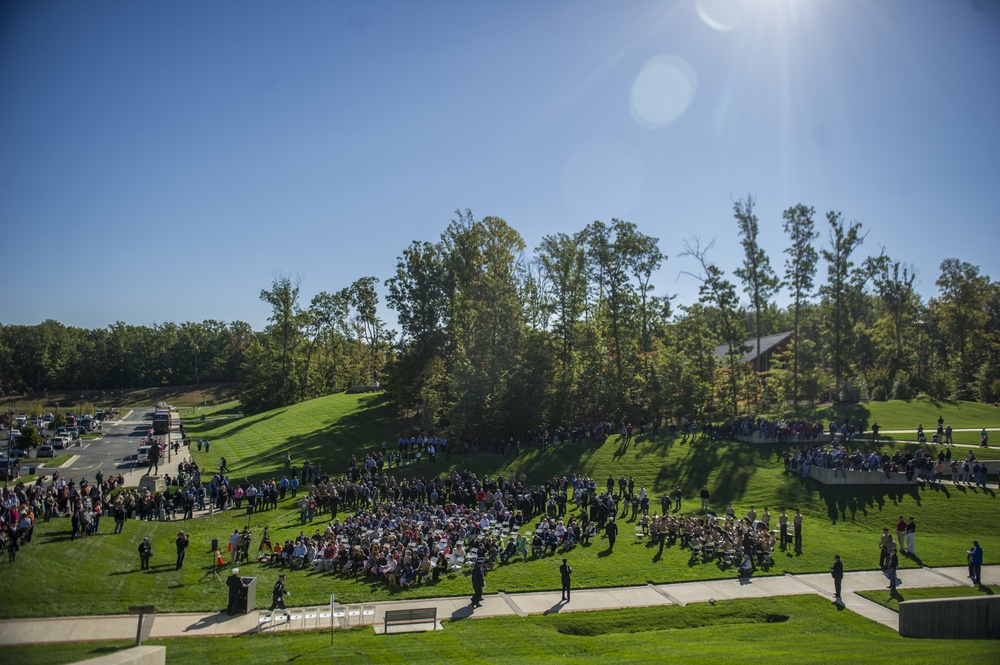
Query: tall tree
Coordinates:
[370,329]
[800,271]
[760,282]
[844,239]
[719,293]
[965,295]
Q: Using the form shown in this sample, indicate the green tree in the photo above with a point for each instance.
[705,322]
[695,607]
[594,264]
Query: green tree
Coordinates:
[719,294]
[760,282]
[844,239]
[800,271]
[963,307]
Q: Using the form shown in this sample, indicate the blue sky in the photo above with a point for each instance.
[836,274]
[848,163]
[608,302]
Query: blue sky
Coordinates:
[163,161]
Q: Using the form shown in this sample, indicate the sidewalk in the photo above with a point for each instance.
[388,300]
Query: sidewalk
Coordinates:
[123,627]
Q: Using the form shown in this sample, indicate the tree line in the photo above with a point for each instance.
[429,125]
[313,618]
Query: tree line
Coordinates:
[493,340]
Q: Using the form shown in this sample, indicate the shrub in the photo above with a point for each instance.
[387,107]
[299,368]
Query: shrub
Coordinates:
[901,387]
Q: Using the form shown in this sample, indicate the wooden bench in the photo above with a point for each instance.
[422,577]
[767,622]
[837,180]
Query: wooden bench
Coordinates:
[423,615]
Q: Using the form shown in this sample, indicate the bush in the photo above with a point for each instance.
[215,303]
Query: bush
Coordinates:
[941,385]
[879,394]
[901,387]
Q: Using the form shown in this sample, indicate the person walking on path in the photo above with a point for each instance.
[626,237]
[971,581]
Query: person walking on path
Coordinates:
[145,554]
[564,572]
[182,543]
[892,566]
[611,531]
[976,564]
[911,536]
[837,571]
[235,583]
[278,593]
[478,584]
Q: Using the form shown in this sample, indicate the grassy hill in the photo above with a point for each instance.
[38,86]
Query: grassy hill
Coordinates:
[907,414]
[52,571]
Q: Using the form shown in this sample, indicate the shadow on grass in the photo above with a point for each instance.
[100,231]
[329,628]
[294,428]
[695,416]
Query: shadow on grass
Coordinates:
[844,502]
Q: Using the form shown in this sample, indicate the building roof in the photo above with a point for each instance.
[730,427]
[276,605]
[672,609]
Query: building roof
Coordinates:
[767,344]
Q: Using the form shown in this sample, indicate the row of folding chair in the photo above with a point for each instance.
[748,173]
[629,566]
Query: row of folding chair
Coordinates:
[314,617]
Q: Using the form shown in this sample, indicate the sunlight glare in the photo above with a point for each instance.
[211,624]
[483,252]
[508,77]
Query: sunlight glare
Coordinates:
[662,91]
[721,15]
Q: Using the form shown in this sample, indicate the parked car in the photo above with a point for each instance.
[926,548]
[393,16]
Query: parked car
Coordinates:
[60,442]
[45,450]
[10,468]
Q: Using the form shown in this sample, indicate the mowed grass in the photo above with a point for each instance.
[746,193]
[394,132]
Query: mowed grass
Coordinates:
[907,414]
[844,520]
[801,629]
[892,600]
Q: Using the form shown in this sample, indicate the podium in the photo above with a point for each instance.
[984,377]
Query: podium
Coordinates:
[248,595]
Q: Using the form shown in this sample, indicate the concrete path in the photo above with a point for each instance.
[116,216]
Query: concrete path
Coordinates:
[123,627]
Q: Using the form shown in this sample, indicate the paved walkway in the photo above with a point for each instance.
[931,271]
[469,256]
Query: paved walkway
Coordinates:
[123,627]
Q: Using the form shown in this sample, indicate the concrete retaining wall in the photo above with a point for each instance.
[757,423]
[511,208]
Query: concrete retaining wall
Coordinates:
[976,618]
[758,437]
[825,476]
[133,656]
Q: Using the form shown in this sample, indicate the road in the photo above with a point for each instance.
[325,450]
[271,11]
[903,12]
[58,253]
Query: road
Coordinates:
[115,451]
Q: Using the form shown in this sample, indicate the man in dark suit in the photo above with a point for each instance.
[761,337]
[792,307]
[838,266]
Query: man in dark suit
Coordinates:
[611,531]
[235,583]
[478,584]
[564,572]
[837,571]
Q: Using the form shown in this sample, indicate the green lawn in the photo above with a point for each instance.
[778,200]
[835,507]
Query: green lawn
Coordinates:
[907,414]
[802,629]
[328,430]
[892,600]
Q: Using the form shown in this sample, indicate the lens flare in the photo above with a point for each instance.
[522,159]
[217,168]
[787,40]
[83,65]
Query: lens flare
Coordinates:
[662,91]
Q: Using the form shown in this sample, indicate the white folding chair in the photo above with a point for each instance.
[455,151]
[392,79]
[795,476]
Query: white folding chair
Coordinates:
[264,618]
[368,613]
[340,616]
[280,618]
[295,616]
[310,614]
[324,614]
[638,533]
[354,612]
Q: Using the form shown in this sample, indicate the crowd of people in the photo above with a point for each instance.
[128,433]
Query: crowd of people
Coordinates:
[923,464]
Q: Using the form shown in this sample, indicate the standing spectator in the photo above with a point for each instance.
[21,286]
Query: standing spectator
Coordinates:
[145,554]
[704,498]
[677,498]
[478,584]
[883,544]
[976,564]
[837,571]
[564,573]
[875,429]
[797,526]
[182,543]
[893,565]
[901,532]
[783,526]
[911,535]
[611,531]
